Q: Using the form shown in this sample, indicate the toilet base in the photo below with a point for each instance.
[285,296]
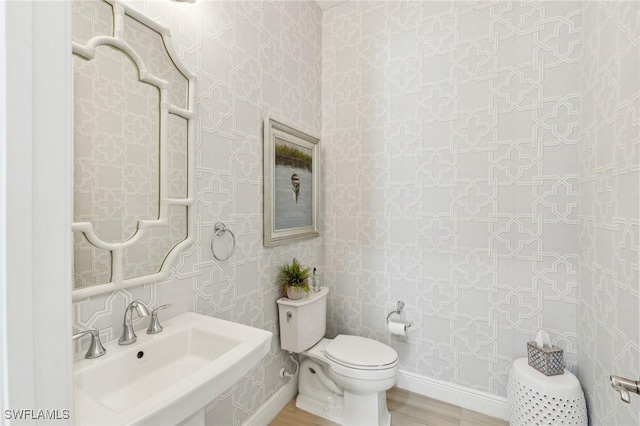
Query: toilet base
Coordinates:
[366,410]
[335,412]
[320,409]
[318,394]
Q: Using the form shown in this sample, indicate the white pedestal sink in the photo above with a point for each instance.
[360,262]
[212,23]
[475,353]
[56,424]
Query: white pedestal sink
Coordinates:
[165,378]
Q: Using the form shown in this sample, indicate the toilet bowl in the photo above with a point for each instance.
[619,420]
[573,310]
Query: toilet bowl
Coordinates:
[344,379]
[348,391]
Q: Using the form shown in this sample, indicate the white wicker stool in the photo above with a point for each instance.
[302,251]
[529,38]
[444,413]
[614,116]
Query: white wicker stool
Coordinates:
[536,399]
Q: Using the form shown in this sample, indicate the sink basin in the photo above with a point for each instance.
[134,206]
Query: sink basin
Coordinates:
[164,378]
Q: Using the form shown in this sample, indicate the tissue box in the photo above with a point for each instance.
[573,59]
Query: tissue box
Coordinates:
[546,361]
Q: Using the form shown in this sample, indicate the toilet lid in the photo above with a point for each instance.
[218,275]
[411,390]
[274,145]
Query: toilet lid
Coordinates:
[360,352]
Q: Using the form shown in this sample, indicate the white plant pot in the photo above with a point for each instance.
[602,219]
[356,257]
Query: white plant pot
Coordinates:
[295,293]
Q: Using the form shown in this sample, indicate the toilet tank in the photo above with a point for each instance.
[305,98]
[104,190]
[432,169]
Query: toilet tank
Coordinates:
[303,322]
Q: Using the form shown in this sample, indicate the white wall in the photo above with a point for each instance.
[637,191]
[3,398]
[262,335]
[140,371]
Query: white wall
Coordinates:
[252,60]
[449,137]
[36,208]
[608,208]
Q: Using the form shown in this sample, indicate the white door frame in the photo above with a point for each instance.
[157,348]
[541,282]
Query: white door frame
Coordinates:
[36,365]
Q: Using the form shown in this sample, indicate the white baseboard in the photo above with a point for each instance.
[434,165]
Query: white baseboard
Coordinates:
[471,399]
[270,409]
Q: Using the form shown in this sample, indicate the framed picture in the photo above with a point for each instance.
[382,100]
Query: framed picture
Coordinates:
[291,184]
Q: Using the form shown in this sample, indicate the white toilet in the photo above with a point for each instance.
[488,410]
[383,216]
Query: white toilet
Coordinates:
[343,380]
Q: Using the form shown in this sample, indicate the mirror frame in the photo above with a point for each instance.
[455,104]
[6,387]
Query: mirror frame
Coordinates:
[117,249]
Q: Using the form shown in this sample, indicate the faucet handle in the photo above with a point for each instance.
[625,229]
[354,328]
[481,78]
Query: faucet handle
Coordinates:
[154,324]
[95,347]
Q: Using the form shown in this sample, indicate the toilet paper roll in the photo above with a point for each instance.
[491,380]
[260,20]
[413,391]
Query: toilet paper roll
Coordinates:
[398,328]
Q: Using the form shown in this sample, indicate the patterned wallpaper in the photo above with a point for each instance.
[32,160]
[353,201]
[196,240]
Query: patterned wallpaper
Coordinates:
[252,60]
[608,208]
[450,144]
[450,134]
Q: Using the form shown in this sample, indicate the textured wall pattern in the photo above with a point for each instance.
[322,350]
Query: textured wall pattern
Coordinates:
[252,60]
[450,135]
[608,215]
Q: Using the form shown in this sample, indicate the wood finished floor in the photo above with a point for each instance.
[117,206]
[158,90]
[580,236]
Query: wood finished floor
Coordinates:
[406,408]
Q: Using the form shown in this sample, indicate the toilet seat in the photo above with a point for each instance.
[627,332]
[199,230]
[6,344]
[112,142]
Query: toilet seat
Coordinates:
[318,352]
[360,353]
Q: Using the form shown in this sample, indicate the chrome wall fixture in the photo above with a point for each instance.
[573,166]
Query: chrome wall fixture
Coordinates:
[398,311]
[625,387]
[219,230]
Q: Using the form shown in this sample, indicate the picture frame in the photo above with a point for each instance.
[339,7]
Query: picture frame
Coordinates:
[291,189]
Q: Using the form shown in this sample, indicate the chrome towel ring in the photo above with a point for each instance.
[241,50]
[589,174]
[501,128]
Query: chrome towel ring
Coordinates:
[219,230]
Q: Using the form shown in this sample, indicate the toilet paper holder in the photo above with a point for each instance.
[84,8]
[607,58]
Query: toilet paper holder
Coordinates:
[398,311]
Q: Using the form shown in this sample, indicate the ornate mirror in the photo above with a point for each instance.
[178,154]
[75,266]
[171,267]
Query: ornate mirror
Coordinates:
[133,149]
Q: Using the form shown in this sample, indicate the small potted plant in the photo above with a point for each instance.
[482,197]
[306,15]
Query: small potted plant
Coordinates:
[293,278]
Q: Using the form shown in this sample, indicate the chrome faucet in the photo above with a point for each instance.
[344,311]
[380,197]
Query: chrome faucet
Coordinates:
[128,335]
[95,347]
